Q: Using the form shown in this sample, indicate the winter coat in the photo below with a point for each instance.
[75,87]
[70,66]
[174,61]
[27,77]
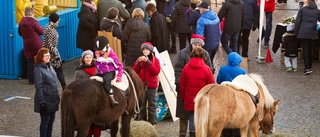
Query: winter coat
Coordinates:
[87,28]
[233,12]
[208,26]
[179,17]
[232,70]
[290,45]
[45,81]
[50,41]
[142,5]
[306,22]
[30,30]
[192,18]
[110,25]
[251,14]
[195,75]
[85,72]
[183,58]
[104,5]
[269,6]
[134,34]
[148,71]
[158,25]
[109,64]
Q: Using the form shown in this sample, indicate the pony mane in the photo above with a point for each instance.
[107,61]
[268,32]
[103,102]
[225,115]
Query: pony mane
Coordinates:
[268,98]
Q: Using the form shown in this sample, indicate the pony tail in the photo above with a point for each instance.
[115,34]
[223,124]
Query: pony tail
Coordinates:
[67,117]
[201,114]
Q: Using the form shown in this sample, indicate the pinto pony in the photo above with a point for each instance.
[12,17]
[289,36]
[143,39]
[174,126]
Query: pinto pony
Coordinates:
[84,102]
[221,106]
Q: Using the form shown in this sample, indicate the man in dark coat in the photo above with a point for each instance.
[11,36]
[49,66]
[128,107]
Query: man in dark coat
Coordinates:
[179,22]
[233,12]
[87,28]
[157,27]
[251,21]
[182,59]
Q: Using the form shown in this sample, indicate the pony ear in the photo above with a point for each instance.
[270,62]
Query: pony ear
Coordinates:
[275,104]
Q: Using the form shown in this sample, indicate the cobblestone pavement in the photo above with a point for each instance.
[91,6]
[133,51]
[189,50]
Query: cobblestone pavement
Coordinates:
[298,115]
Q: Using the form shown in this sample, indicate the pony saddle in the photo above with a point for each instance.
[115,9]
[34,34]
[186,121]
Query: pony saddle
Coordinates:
[123,85]
[245,83]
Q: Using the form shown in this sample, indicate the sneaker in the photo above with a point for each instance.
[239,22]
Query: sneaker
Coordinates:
[289,69]
[294,69]
[307,71]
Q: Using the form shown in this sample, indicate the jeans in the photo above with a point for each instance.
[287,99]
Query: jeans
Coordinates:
[191,121]
[182,39]
[60,76]
[268,27]
[30,69]
[245,33]
[151,97]
[46,124]
[107,78]
[233,42]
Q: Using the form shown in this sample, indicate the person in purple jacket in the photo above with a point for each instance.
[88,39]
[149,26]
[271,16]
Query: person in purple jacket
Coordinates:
[107,64]
[30,30]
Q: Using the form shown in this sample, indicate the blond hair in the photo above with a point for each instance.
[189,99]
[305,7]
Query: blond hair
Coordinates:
[137,13]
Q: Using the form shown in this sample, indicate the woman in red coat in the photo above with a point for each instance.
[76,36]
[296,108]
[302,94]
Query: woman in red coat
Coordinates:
[195,75]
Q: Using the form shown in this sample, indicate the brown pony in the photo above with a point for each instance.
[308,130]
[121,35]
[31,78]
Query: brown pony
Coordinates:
[84,102]
[219,106]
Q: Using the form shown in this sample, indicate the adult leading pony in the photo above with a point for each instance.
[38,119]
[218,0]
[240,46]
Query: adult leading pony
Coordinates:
[84,102]
[220,106]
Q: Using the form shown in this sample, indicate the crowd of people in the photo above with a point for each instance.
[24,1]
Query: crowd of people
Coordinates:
[151,26]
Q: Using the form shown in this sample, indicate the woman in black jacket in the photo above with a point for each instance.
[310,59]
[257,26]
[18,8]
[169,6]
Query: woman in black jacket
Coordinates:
[87,28]
[305,29]
[134,34]
[46,98]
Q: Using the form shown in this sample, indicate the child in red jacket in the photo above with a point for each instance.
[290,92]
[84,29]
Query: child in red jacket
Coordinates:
[195,75]
[147,67]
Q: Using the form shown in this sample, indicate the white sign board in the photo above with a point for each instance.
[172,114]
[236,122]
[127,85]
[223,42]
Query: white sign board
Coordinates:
[167,80]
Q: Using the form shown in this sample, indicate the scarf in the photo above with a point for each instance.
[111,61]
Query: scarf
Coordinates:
[90,5]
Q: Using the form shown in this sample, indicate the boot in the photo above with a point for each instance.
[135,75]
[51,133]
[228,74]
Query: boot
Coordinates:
[173,49]
[192,134]
[113,101]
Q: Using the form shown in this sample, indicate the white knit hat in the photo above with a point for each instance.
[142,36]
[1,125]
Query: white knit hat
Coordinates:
[87,52]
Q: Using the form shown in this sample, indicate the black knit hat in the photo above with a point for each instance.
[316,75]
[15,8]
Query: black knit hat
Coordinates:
[54,17]
[204,5]
[101,43]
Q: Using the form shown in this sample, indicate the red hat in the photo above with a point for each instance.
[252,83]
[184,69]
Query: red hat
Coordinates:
[147,45]
[197,39]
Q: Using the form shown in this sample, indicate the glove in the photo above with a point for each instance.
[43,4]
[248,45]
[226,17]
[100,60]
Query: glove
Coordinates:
[118,79]
[188,10]
[43,107]
[254,26]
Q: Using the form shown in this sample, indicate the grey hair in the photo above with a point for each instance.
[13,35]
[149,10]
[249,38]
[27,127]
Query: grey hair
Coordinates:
[28,11]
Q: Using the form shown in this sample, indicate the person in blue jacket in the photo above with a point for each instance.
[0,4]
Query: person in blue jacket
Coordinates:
[232,70]
[142,5]
[228,73]
[208,26]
